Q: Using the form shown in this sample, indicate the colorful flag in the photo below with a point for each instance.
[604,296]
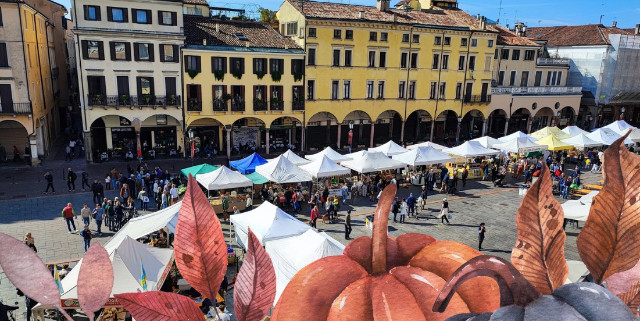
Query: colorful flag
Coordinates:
[143,278]
[56,276]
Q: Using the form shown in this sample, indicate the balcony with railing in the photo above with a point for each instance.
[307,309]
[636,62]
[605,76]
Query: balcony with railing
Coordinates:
[525,91]
[298,105]
[477,99]
[133,101]
[276,104]
[220,104]
[237,105]
[259,105]
[15,109]
[564,62]
[194,104]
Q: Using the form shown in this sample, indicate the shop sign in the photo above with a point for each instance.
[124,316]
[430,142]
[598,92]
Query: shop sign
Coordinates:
[122,129]
[161,119]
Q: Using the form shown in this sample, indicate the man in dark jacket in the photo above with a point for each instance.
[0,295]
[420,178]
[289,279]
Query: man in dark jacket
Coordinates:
[71,180]
[85,180]
[98,191]
[49,178]
[395,208]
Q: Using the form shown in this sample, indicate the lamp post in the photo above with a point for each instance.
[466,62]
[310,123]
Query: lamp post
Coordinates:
[350,135]
[192,143]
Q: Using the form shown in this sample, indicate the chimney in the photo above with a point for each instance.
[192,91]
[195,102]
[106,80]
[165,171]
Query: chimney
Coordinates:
[217,27]
[637,31]
[382,5]
[204,42]
[361,14]
[483,23]
[614,24]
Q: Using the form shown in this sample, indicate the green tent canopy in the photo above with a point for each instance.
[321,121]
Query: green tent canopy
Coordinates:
[198,169]
[256,178]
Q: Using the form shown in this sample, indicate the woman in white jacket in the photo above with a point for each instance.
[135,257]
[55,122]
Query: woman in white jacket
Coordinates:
[403,210]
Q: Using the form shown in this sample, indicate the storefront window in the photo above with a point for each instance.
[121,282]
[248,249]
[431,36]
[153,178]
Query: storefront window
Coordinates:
[123,138]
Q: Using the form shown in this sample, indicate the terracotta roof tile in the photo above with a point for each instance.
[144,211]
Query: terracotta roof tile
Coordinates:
[339,11]
[583,35]
[508,38]
[258,35]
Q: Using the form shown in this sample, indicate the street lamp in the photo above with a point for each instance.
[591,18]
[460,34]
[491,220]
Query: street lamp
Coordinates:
[350,135]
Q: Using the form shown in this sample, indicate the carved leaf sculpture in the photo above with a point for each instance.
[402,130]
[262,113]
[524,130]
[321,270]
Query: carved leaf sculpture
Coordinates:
[26,271]
[621,282]
[95,280]
[160,306]
[539,250]
[610,239]
[255,287]
[199,247]
[632,297]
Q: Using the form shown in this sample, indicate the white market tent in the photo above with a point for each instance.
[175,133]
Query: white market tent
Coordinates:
[268,223]
[426,144]
[290,255]
[423,156]
[577,269]
[292,157]
[471,149]
[574,130]
[281,170]
[373,162]
[581,141]
[607,136]
[517,134]
[355,155]
[579,209]
[330,153]
[223,178]
[390,148]
[635,135]
[520,145]
[487,141]
[325,167]
[619,126]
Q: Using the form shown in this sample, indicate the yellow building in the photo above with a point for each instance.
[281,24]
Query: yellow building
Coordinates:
[418,72]
[529,91]
[243,86]
[26,84]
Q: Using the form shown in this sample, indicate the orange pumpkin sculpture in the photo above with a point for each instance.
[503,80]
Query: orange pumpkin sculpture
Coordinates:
[382,278]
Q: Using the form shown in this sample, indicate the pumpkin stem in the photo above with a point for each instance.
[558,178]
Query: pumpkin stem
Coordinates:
[380,223]
[514,288]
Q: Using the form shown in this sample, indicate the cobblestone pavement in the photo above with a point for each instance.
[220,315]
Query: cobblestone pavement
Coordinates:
[477,202]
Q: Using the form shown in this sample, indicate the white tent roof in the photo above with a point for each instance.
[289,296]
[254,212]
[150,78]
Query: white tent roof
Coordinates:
[426,144]
[325,167]
[292,157]
[607,136]
[329,152]
[355,155]
[519,145]
[619,126]
[635,135]
[581,141]
[423,156]
[291,254]
[577,269]
[268,223]
[390,148]
[579,209]
[515,135]
[281,170]
[373,162]
[223,178]
[126,258]
[145,225]
[574,130]
[487,141]
[470,149]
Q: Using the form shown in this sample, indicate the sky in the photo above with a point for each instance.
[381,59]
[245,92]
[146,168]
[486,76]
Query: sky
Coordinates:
[533,13]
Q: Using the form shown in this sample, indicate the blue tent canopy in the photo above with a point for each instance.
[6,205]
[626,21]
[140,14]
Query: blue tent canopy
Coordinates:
[248,164]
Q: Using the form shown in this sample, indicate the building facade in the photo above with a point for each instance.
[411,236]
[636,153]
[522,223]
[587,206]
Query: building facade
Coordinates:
[243,86]
[529,91]
[129,75]
[418,72]
[28,77]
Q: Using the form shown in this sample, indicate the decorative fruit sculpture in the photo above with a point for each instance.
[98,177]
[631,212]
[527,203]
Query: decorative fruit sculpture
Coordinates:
[519,300]
[398,279]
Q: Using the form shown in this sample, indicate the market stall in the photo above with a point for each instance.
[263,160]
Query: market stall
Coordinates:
[330,153]
[581,141]
[635,135]
[553,143]
[607,136]
[227,183]
[325,167]
[256,178]
[292,157]
[470,149]
[268,223]
[423,156]
[390,148]
[619,126]
[487,141]
[574,130]
[291,254]
[517,134]
[355,155]
[248,164]
[542,133]
[426,144]
[281,170]
[519,145]
[373,162]
[198,169]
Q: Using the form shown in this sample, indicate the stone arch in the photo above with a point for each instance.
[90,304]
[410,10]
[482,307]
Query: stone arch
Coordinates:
[567,116]
[519,121]
[247,135]
[496,123]
[542,118]
[446,126]
[13,133]
[472,125]
[321,131]
[285,131]
[361,132]
[417,127]
[388,125]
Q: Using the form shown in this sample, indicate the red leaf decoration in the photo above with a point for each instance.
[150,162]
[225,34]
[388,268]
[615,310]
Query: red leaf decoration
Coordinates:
[160,306]
[26,271]
[255,287]
[95,280]
[199,247]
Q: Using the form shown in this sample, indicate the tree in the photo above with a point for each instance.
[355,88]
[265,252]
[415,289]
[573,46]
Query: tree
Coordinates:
[267,15]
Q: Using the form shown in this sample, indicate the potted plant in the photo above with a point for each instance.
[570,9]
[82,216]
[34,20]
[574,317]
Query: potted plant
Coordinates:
[193,73]
[259,104]
[219,75]
[98,99]
[276,104]
[276,76]
[237,73]
[172,100]
[297,76]
[193,103]
[146,99]
[260,74]
[123,99]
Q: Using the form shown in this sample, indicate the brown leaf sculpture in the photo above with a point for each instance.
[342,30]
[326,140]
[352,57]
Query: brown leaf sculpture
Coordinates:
[27,272]
[95,280]
[632,297]
[199,247]
[160,306]
[621,282]
[610,239]
[255,287]
[539,250]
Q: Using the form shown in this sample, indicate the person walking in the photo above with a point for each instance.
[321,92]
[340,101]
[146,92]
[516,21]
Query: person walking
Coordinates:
[86,236]
[97,195]
[481,231]
[225,207]
[395,208]
[98,216]
[174,194]
[403,210]
[71,180]
[85,180]
[165,199]
[30,242]
[465,174]
[49,178]
[144,199]
[315,212]
[411,205]
[249,204]
[111,215]
[158,198]
[423,196]
[69,214]
[67,153]
[85,213]
[124,192]
[119,210]
[444,211]
[347,226]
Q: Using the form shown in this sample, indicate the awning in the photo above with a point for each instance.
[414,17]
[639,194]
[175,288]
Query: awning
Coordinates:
[198,169]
